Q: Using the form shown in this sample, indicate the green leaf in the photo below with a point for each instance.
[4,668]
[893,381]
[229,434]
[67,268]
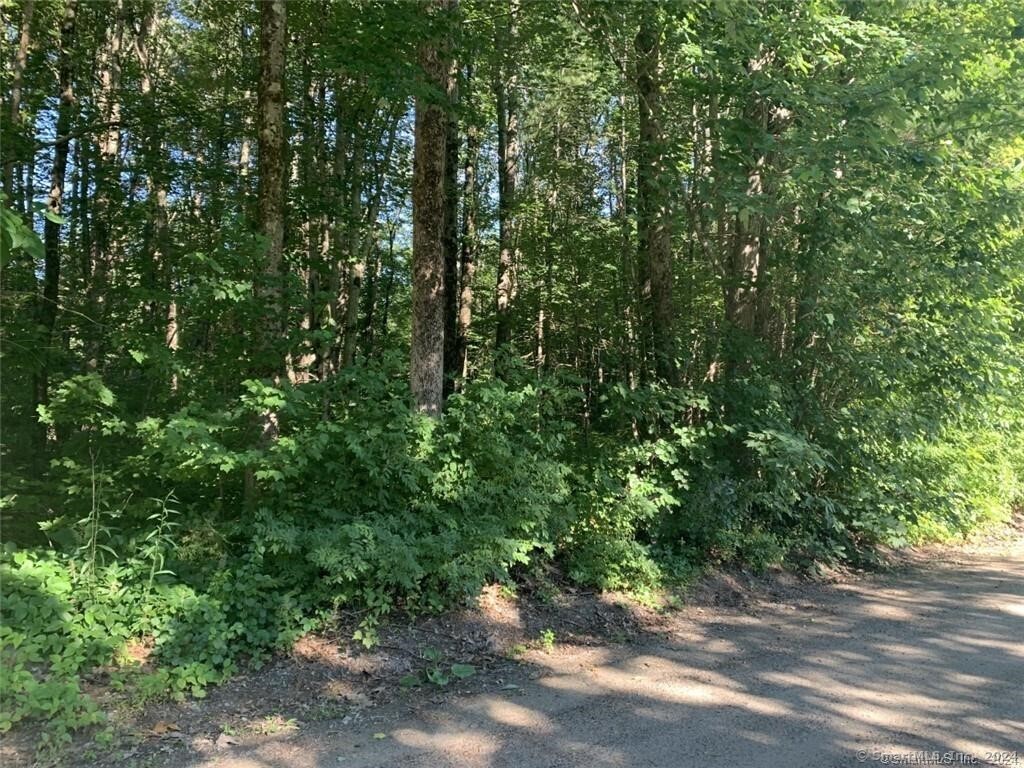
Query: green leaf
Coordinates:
[410,681]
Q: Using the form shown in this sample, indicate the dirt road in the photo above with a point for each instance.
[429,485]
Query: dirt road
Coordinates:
[882,670]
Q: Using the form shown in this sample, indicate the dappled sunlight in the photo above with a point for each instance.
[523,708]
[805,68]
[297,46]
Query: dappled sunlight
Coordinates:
[475,747]
[887,610]
[517,716]
[874,669]
[1014,609]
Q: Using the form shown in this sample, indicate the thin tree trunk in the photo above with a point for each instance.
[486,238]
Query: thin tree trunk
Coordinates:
[388,266]
[333,303]
[159,267]
[747,300]
[467,258]
[310,166]
[47,312]
[12,167]
[107,178]
[372,288]
[629,293]
[364,241]
[428,198]
[356,266]
[508,169]
[451,238]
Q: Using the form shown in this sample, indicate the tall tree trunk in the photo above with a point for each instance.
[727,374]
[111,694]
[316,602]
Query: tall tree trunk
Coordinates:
[364,239]
[629,284]
[467,256]
[388,268]
[107,177]
[747,298]
[334,299]
[270,204]
[428,199]
[356,266]
[309,161]
[374,267]
[159,270]
[507,97]
[451,238]
[50,299]
[11,166]
[271,148]
[654,201]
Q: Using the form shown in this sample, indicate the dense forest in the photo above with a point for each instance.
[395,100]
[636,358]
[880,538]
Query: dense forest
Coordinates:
[315,306]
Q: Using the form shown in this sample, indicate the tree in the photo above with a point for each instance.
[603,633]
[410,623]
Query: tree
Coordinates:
[11,169]
[507,96]
[426,349]
[468,243]
[654,200]
[270,205]
[451,235]
[49,302]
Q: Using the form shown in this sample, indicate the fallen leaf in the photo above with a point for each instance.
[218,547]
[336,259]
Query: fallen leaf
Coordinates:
[160,728]
[379,736]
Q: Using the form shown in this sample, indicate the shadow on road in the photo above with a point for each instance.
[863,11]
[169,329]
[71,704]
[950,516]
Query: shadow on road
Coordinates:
[931,660]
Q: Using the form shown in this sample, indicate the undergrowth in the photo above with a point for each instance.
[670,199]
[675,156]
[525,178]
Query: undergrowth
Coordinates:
[365,505]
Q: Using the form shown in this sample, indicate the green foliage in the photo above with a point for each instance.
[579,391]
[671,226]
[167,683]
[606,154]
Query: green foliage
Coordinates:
[547,639]
[52,628]
[15,237]
[858,383]
[435,672]
[395,507]
[62,622]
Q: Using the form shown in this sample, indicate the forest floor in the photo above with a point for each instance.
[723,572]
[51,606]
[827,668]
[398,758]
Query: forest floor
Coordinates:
[853,668]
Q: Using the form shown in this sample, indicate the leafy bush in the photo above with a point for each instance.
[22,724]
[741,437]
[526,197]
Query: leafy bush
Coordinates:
[53,626]
[378,505]
[362,503]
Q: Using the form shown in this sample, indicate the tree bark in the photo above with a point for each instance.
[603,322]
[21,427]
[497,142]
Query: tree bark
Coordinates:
[387,266]
[12,167]
[50,299]
[428,199]
[747,297]
[364,238]
[451,238]
[270,191]
[334,300]
[159,268]
[508,168]
[654,202]
[629,281]
[107,179]
[270,206]
[467,256]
